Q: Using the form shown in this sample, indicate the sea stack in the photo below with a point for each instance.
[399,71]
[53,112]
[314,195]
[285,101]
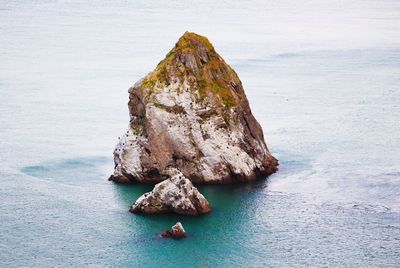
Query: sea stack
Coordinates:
[191,114]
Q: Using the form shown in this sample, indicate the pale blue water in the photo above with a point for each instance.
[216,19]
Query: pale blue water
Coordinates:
[322,78]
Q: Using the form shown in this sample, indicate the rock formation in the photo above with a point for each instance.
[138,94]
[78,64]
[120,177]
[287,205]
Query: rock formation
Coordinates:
[191,113]
[176,194]
[176,232]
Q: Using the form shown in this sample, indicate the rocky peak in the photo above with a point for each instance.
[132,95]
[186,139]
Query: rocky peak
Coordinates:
[194,63]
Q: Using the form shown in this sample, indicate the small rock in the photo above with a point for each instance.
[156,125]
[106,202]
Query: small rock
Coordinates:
[177,232]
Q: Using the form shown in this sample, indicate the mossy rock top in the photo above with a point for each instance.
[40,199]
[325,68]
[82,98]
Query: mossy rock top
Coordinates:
[194,61]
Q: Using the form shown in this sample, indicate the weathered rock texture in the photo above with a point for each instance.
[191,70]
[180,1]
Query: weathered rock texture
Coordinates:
[176,194]
[191,113]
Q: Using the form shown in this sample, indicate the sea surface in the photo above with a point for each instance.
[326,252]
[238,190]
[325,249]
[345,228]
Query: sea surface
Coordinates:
[322,78]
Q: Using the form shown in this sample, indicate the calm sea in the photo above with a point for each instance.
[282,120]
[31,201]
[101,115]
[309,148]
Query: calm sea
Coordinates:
[322,78]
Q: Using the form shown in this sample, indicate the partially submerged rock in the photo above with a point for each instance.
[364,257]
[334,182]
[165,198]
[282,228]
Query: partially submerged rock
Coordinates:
[176,194]
[177,231]
[191,113]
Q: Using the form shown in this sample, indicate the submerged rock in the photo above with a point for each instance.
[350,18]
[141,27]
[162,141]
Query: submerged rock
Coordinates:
[191,113]
[176,194]
[177,231]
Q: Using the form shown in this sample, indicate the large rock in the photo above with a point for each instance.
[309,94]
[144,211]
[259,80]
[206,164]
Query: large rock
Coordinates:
[176,194]
[191,113]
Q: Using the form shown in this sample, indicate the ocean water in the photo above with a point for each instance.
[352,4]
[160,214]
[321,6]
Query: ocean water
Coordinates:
[322,78]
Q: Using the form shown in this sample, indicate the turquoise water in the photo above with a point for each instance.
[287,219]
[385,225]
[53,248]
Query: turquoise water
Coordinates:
[322,78]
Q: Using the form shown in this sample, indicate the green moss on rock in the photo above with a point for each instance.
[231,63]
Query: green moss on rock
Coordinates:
[194,59]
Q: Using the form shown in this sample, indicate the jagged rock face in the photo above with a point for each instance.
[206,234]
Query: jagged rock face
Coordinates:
[176,194]
[191,113]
